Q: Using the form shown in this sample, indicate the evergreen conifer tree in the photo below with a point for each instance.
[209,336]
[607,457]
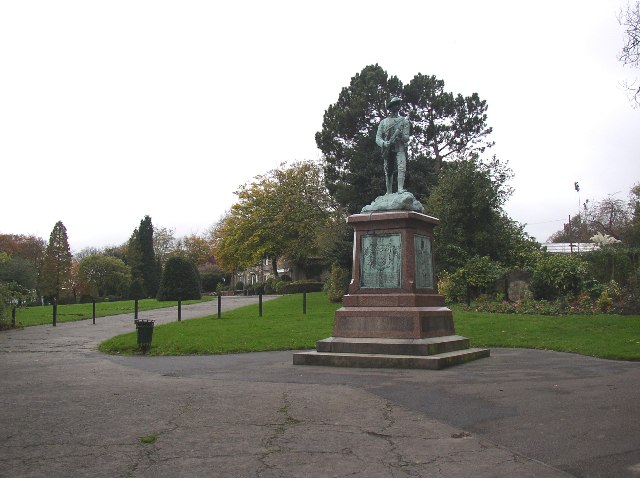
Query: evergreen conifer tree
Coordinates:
[141,257]
[150,265]
[55,274]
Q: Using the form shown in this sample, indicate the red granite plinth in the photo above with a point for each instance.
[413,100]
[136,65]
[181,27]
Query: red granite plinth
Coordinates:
[404,312]
[393,315]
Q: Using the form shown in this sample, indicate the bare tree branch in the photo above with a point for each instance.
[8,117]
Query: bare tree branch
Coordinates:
[629,18]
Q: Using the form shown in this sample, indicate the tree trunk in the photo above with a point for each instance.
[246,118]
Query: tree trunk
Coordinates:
[274,266]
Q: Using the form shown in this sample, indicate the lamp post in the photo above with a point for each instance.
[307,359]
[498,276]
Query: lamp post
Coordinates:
[577,188]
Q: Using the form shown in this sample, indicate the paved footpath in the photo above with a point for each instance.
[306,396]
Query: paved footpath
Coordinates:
[67,410]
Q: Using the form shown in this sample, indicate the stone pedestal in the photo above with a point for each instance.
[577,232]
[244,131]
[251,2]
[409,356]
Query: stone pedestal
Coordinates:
[393,315]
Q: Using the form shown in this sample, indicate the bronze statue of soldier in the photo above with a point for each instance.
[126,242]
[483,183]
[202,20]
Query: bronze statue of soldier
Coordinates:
[393,137]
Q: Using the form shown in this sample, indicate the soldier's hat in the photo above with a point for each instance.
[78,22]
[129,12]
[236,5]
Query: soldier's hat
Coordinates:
[394,100]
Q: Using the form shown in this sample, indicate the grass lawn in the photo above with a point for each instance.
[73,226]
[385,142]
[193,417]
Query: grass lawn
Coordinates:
[27,316]
[605,335]
[284,327]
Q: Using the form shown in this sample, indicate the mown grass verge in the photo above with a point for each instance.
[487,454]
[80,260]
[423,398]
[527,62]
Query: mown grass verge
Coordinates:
[284,327]
[39,315]
[605,335]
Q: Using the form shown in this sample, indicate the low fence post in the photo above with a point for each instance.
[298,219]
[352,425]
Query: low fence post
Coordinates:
[304,303]
[94,312]
[219,304]
[260,303]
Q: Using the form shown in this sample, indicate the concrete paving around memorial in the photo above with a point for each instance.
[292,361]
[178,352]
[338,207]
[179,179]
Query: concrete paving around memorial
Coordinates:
[67,410]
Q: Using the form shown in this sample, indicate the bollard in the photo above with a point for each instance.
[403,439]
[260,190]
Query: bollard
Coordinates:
[260,303]
[304,303]
[94,312]
[179,310]
[219,304]
[55,311]
[135,309]
[13,316]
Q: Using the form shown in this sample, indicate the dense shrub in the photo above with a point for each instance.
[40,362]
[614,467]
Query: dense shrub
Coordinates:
[4,307]
[211,280]
[280,284]
[628,300]
[477,277]
[180,280]
[337,284]
[556,276]
[451,287]
[255,289]
[301,286]
[613,263]
[270,285]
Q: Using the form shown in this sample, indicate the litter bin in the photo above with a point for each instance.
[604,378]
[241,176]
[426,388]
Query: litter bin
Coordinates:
[144,328]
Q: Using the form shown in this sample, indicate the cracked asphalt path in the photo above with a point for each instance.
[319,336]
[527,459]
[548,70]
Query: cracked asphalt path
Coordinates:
[68,410]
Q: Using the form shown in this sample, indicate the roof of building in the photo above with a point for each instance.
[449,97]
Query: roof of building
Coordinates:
[569,247]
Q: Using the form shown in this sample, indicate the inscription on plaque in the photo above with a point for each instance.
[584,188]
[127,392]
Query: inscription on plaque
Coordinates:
[381,261]
[424,270]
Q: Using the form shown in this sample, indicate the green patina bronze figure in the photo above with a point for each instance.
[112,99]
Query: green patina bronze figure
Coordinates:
[393,137]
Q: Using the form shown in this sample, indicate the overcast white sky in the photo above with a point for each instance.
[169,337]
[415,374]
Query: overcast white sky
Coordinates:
[113,110]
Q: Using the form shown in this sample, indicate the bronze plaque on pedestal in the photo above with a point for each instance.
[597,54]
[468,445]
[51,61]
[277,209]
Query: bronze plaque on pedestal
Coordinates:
[381,261]
[424,269]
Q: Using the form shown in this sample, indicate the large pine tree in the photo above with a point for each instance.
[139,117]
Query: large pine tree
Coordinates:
[444,127]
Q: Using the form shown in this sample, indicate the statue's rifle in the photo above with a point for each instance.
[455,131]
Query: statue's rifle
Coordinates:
[392,140]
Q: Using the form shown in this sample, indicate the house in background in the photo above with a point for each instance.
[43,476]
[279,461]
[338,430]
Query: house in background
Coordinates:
[314,269]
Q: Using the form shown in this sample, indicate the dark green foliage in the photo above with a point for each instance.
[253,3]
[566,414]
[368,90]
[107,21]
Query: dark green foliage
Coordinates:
[19,270]
[211,280]
[629,302]
[5,309]
[136,290]
[150,266]
[134,261]
[55,274]
[335,242]
[141,258]
[300,286]
[104,276]
[180,280]
[615,263]
[478,276]
[444,127]
[631,231]
[353,166]
[468,201]
[556,276]
[337,284]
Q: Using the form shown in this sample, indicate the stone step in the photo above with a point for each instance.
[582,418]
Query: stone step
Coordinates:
[431,362]
[360,345]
